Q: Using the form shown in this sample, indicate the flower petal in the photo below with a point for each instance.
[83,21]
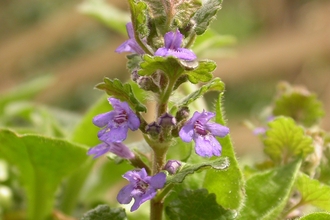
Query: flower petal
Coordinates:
[124,195]
[121,150]
[186,132]
[217,129]
[173,40]
[98,150]
[158,181]
[133,121]
[207,146]
[114,134]
[102,120]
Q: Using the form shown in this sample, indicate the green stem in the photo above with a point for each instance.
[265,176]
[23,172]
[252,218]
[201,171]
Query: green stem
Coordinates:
[191,40]
[300,203]
[163,101]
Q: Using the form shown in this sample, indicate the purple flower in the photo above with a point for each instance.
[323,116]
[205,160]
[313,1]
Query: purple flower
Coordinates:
[115,124]
[141,187]
[130,45]
[199,129]
[173,41]
[119,149]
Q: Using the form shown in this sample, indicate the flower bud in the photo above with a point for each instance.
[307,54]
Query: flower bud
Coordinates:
[166,120]
[135,76]
[146,83]
[182,113]
[172,166]
[153,129]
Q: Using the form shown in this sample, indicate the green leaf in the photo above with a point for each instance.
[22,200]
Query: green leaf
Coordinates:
[228,186]
[196,205]
[285,140]
[267,193]
[184,11]
[42,163]
[133,62]
[211,40]
[316,216]
[168,65]
[299,104]
[104,212]
[106,14]
[215,85]
[313,192]
[157,13]
[186,169]
[203,73]
[25,91]
[206,14]
[84,133]
[139,17]
[117,89]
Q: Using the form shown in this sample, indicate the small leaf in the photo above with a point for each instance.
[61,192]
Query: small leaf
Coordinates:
[106,14]
[313,192]
[267,193]
[184,11]
[42,163]
[215,85]
[299,104]
[218,165]
[139,17]
[124,92]
[157,13]
[197,205]
[316,216]
[104,212]
[228,186]
[168,65]
[133,62]
[285,140]
[206,14]
[203,73]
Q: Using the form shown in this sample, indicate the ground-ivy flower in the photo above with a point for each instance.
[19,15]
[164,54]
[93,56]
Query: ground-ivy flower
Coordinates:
[173,41]
[141,187]
[119,149]
[199,129]
[115,123]
[130,45]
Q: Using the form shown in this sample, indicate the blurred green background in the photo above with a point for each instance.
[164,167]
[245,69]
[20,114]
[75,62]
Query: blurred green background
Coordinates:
[276,40]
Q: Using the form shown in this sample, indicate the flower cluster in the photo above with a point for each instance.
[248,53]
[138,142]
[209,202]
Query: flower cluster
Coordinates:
[114,126]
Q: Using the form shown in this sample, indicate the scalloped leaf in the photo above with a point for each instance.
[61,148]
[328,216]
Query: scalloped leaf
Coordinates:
[215,85]
[186,169]
[42,163]
[228,186]
[286,140]
[206,14]
[313,192]
[104,212]
[185,10]
[124,92]
[168,65]
[299,104]
[196,205]
[203,72]
[316,216]
[267,193]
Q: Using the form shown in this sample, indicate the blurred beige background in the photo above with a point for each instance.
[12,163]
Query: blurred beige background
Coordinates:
[276,40]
